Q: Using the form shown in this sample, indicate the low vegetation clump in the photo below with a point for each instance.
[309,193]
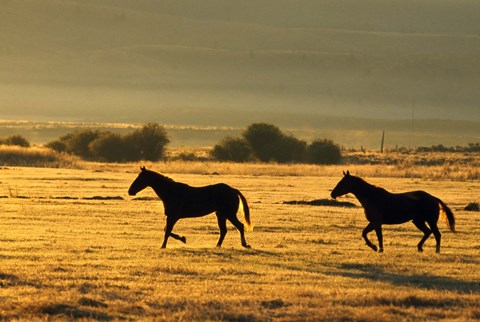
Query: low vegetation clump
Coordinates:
[471,147]
[147,143]
[15,140]
[267,143]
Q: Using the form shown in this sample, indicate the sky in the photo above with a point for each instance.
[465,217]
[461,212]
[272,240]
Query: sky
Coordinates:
[146,60]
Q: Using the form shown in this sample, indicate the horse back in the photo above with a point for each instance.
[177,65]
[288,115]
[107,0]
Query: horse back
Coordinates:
[397,208]
[191,201]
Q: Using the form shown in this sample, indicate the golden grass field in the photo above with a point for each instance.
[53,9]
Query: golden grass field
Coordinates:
[74,245]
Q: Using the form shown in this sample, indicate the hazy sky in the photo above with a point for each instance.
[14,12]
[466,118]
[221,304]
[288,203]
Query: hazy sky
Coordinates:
[124,60]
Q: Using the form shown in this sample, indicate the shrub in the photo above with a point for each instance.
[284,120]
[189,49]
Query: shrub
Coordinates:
[147,143]
[290,149]
[324,152]
[78,143]
[108,147]
[16,140]
[268,143]
[58,145]
[232,149]
[264,140]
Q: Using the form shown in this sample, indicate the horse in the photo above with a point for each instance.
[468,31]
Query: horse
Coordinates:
[183,201]
[382,207]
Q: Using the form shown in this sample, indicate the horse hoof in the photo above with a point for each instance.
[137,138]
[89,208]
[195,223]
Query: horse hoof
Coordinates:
[247,246]
[183,240]
[374,248]
[381,250]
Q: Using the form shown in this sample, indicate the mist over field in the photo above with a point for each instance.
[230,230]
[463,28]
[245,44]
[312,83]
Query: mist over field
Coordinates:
[230,63]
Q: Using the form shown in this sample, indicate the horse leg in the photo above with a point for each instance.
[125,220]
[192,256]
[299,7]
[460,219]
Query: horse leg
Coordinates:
[368,229]
[436,233]
[426,231]
[222,224]
[183,239]
[234,220]
[378,230]
[168,229]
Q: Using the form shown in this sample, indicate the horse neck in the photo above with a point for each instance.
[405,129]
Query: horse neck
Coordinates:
[161,187]
[363,191]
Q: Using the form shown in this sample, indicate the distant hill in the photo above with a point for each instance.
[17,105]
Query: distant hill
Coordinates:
[176,61]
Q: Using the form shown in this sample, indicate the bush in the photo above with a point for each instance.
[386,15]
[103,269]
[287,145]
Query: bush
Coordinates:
[232,149]
[270,144]
[16,140]
[290,149]
[266,143]
[78,143]
[323,152]
[108,147]
[147,143]
[59,146]
[264,140]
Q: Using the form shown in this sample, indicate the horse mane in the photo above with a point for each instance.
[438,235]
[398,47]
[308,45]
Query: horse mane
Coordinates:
[160,176]
[371,187]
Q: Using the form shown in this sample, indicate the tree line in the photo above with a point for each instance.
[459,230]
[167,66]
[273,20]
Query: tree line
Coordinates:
[267,143]
[260,142]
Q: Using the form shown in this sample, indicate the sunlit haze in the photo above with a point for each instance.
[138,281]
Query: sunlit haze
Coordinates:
[227,63]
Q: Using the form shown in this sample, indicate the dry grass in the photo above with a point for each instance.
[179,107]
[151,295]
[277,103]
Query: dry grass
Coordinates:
[34,157]
[65,254]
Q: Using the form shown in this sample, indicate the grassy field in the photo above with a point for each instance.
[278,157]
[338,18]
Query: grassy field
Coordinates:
[73,245]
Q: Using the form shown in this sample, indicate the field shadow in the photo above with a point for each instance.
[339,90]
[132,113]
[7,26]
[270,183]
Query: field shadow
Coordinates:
[322,202]
[421,281]
[9,280]
[73,312]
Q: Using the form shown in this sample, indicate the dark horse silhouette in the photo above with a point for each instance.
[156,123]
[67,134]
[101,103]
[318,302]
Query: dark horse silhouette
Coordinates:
[183,201]
[382,207]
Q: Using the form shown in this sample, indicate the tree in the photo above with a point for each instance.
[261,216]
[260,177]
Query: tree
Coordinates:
[147,143]
[264,140]
[323,152]
[17,140]
[290,149]
[108,147]
[78,142]
[270,144]
[58,145]
[232,149]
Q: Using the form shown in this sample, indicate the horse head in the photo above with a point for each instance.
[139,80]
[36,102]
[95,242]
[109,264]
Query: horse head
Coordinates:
[343,187]
[140,183]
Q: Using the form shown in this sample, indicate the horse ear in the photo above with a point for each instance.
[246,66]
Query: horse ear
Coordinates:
[348,173]
[142,168]
[344,173]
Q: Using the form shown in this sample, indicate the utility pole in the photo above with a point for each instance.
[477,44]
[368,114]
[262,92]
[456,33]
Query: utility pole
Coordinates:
[413,125]
[383,140]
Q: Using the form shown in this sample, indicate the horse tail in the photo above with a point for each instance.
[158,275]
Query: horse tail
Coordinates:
[246,211]
[450,218]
